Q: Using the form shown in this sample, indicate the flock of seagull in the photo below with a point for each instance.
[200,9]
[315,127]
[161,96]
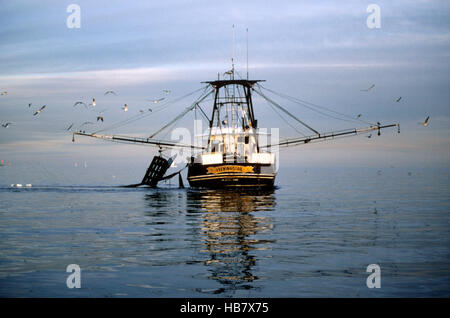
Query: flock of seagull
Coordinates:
[37,112]
[397,100]
[100,117]
[91,105]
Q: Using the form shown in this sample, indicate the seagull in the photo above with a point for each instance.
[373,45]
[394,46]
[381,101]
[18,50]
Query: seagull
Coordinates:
[370,136]
[228,72]
[100,118]
[141,111]
[359,115]
[93,103]
[6,125]
[150,110]
[110,92]
[167,91]
[125,108]
[39,110]
[398,99]
[368,89]
[29,105]
[158,100]
[80,103]
[71,125]
[4,93]
[425,123]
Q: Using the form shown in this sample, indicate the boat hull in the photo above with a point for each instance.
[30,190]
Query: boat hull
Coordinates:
[231,175]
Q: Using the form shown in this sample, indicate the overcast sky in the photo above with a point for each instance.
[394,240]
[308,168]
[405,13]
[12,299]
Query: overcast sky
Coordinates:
[319,51]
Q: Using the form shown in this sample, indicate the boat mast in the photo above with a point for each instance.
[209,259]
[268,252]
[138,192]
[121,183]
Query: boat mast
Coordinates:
[246,40]
[232,78]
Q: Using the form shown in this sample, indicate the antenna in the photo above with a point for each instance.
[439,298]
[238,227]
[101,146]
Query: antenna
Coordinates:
[232,56]
[247,50]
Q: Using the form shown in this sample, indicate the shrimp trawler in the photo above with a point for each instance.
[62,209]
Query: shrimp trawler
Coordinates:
[233,156]
[231,153]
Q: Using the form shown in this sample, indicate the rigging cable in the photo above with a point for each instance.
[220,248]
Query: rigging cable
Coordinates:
[275,110]
[312,107]
[187,110]
[284,119]
[140,116]
[285,111]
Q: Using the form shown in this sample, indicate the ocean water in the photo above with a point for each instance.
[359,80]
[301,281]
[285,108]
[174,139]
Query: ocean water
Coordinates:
[312,236]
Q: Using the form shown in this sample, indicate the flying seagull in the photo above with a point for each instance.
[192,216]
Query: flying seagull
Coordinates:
[425,123]
[167,91]
[158,100]
[150,110]
[4,93]
[368,89]
[398,99]
[29,105]
[6,125]
[359,115]
[125,108]
[370,136]
[110,92]
[228,72]
[80,103]
[71,125]
[141,111]
[100,118]
[93,103]
[39,110]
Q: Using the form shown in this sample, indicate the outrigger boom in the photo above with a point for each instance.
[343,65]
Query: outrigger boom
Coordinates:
[331,135]
[138,140]
[286,142]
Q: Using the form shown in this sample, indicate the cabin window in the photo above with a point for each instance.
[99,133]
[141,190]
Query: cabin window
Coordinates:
[215,147]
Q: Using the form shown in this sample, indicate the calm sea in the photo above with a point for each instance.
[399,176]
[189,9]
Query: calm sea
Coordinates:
[313,236]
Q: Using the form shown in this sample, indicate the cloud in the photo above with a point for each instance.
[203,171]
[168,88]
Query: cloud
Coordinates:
[318,51]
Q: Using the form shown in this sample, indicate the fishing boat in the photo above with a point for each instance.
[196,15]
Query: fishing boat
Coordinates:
[230,153]
[233,156]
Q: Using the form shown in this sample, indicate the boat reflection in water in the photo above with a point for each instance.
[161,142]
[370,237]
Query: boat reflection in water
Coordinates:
[232,232]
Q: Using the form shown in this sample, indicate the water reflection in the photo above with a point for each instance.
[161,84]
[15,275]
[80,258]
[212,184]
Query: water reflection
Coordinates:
[231,230]
[227,230]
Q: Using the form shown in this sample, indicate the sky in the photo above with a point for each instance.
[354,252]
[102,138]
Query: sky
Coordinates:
[319,51]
